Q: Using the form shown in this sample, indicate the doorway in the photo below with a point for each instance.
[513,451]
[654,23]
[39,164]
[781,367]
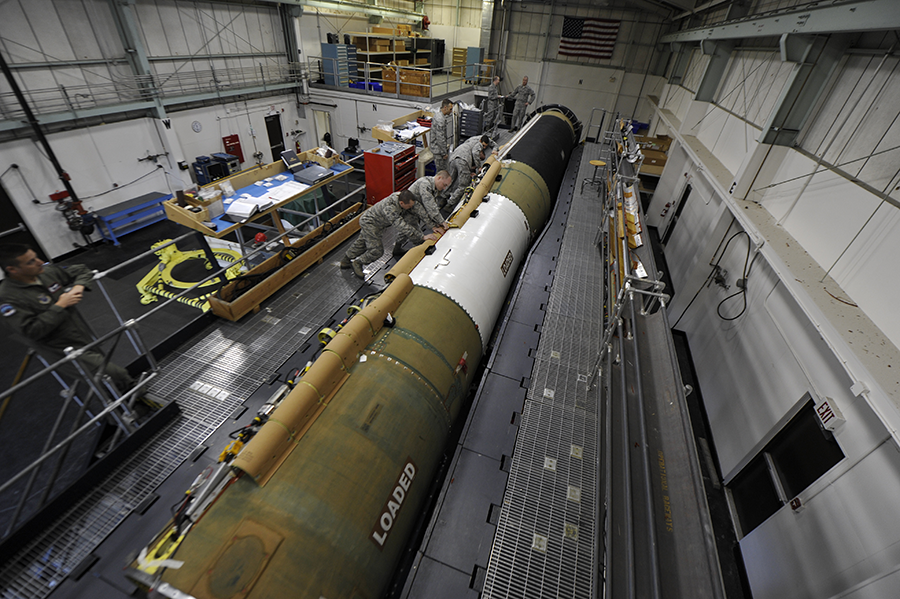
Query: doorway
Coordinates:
[322,120]
[276,136]
[670,226]
[10,219]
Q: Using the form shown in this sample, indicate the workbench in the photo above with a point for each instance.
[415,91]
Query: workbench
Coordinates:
[246,182]
[131,215]
[336,230]
[383,135]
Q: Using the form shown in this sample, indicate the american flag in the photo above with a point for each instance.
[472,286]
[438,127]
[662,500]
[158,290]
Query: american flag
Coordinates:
[588,38]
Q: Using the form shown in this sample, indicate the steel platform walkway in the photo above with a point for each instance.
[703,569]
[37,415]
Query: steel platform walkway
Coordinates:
[517,516]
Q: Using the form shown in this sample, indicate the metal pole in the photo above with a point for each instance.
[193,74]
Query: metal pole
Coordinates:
[21,227]
[36,127]
[645,454]
[116,314]
[141,256]
[626,467]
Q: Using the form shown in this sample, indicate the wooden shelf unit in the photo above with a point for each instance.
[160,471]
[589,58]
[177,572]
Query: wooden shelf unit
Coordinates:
[459,61]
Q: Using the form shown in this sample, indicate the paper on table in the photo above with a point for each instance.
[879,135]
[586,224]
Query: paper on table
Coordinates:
[287,190]
[411,132]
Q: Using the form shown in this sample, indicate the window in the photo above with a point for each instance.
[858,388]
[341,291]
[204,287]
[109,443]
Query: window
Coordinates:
[795,458]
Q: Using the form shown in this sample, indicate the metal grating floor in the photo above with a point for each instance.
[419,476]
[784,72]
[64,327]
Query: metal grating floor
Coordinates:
[546,534]
[233,360]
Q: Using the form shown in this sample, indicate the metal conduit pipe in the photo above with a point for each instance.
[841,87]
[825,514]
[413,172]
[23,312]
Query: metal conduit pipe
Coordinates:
[645,454]
[628,520]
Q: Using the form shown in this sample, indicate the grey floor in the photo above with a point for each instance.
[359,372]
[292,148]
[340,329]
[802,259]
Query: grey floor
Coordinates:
[516,516]
[540,451]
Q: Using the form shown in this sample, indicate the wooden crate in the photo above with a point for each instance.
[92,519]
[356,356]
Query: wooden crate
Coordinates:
[183,216]
[389,85]
[415,83]
[459,61]
[250,300]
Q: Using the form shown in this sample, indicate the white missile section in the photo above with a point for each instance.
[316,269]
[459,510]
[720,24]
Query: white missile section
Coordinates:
[475,264]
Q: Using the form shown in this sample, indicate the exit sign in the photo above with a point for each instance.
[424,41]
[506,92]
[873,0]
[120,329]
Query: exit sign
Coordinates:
[829,414]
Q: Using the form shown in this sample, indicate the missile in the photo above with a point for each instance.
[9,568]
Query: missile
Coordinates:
[323,499]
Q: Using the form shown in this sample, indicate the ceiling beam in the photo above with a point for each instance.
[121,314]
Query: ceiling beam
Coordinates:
[355,7]
[845,17]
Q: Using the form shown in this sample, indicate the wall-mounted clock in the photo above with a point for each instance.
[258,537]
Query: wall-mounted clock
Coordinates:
[196,126]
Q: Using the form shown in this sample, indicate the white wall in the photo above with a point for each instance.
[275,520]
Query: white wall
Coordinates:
[755,370]
[104,160]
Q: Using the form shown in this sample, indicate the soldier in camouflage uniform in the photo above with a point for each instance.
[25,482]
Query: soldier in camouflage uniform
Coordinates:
[400,210]
[492,108]
[442,135]
[463,162]
[427,191]
[37,302]
[524,96]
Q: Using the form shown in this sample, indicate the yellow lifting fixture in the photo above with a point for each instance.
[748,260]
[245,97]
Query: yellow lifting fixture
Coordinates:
[161,282]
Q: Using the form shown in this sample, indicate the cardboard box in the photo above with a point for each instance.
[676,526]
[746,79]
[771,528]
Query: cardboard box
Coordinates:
[654,157]
[421,61]
[661,143]
[399,46]
[412,83]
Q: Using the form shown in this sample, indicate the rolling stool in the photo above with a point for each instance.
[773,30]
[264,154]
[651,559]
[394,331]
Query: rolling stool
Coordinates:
[594,180]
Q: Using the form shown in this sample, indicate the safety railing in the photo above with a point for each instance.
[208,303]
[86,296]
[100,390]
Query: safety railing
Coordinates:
[396,80]
[96,398]
[148,88]
[628,511]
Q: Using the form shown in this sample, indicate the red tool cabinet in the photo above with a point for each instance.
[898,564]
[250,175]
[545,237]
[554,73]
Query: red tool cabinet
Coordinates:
[390,167]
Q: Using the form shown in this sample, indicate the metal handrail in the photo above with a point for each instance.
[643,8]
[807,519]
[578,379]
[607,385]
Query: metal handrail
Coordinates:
[140,88]
[129,328]
[623,281]
[367,78]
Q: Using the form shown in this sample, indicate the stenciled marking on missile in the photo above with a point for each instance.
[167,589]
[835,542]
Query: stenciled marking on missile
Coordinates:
[507,262]
[392,505]
[370,418]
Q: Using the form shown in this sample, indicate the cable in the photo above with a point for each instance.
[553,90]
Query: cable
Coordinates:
[744,274]
[713,271]
[102,193]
